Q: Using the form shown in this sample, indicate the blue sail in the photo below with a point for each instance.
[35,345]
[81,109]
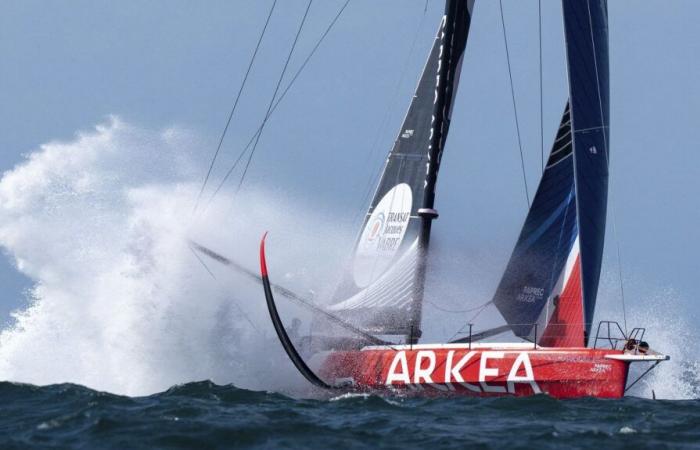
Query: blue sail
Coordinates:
[586,30]
[551,281]
[537,270]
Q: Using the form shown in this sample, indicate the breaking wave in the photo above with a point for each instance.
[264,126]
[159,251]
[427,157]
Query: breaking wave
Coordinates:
[120,303]
[663,312]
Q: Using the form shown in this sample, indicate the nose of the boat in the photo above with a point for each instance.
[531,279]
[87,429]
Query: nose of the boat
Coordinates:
[631,357]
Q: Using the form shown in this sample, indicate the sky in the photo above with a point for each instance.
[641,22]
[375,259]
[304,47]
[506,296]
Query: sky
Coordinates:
[67,67]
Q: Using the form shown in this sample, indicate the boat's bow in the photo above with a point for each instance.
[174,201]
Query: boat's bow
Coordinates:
[286,342]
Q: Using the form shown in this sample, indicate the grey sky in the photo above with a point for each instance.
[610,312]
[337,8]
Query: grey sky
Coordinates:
[66,66]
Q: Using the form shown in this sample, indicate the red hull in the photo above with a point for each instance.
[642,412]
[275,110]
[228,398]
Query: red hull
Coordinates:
[484,370]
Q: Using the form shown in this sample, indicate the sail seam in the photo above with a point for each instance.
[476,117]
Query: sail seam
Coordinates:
[566,133]
[566,145]
[583,130]
[560,161]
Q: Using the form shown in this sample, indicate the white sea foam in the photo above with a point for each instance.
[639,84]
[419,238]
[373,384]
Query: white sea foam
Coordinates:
[664,313]
[669,331]
[100,224]
[349,396]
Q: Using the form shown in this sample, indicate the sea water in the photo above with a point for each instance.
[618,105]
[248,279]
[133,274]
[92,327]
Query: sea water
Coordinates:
[206,415]
[121,318]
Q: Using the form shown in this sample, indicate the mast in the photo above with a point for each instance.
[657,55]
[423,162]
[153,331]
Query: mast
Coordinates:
[455,30]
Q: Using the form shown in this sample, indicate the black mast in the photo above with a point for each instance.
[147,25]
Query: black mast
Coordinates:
[455,30]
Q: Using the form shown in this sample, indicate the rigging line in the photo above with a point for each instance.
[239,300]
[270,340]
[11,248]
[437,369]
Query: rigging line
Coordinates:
[515,109]
[440,308]
[274,96]
[308,304]
[471,320]
[539,12]
[235,303]
[607,162]
[279,100]
[619,266]
[235,105]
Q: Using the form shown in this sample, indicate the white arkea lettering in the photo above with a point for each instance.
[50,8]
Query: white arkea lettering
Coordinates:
[425,362]
[523,360]
[392,376]
[454,372]
[424,374]
[489,372]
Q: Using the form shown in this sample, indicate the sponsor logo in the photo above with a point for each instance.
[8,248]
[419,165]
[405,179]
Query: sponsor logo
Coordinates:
[383,234]
[376,226]
[426,371]
[531,294]
[601,368]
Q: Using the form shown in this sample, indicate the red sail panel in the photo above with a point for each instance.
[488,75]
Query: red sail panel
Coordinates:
[565,326]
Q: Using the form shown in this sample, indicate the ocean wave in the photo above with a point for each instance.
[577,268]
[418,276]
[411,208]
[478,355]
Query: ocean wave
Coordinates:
[205,414]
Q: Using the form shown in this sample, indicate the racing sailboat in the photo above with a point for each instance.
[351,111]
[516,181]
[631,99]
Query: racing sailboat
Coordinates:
[548,291]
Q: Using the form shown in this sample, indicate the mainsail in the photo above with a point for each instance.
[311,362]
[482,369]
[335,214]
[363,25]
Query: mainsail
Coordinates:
[549,288]
[586,26]
[382,289]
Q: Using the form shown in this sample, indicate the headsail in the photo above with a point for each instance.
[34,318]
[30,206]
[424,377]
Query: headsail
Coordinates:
[382,290]
[552,277]
[544,262]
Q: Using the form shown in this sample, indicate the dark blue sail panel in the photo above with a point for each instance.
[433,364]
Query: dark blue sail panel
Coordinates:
[586,31]
[545,242]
